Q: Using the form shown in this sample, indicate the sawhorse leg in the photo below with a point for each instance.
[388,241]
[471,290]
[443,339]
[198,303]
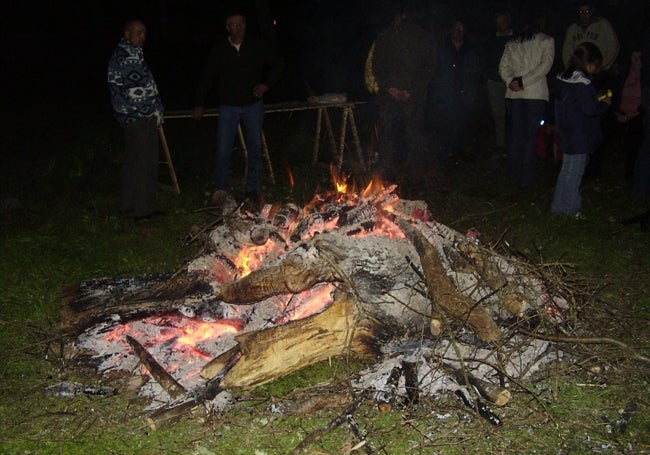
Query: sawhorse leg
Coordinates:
[323,113]
[348,116]
[168,159]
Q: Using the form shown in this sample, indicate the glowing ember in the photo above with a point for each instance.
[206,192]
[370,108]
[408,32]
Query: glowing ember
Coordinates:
[307,303]
[198,332]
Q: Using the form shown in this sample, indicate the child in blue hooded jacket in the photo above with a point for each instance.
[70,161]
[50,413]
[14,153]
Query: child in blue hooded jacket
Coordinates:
[577,122]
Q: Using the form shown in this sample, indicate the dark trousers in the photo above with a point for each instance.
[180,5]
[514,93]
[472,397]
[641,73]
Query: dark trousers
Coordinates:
[525,117]
[140,167]
[631,137]
[402,142]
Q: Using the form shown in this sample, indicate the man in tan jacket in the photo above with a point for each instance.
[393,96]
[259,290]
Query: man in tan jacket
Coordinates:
[594,29]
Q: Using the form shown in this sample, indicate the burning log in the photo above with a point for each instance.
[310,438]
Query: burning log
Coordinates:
[293,275]
[94,301]
[275,352]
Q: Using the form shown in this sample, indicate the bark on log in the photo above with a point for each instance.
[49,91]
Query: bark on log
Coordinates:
[88,303]
[445,295]
[293,275]
[272,353]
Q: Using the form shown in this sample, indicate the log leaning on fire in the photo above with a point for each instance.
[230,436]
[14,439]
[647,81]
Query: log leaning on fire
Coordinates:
[445,295]
[293,275]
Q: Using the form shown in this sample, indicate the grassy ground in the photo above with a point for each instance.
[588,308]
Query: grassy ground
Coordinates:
[60,226]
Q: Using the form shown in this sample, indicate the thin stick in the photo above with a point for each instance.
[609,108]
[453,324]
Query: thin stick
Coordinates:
[171,386]
[581,340]
[168,158]
[344,417]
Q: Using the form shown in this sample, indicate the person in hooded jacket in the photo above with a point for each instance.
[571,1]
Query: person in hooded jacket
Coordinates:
[577,121]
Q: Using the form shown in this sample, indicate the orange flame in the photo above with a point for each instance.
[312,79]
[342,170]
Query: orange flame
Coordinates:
[340,182]
[250,258]
[198,332]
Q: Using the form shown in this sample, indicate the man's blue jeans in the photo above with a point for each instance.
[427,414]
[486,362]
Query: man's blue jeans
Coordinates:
[567,200]
[251,117]
[525,117]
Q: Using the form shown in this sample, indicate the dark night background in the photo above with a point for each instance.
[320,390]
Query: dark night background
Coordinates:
[54,54]
[59,50]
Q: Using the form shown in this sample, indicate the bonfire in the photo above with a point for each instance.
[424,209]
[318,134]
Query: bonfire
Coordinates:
[361,274]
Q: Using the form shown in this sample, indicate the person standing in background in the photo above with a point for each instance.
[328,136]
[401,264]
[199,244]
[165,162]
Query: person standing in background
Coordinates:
[597,30]
[242,69]
[526,60]
[139,110]
[402,62]
[496,89]
[629,112]
[577,126]
[593,29]
[453,92]
[641,182]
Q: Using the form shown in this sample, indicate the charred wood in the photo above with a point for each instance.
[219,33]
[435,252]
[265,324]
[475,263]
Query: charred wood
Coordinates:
[166,381]
[411,382]
[95,301]
[168,415]
[385,399]
[293,275]
[481,408]
[500,396]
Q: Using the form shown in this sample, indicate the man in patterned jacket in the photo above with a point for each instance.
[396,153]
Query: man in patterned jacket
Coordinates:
[139,110]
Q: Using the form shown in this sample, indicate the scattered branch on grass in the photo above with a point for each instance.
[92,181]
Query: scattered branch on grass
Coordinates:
[346,416]
[587,340]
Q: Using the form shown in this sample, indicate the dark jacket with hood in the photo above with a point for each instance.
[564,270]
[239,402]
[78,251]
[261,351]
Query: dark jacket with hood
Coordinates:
[577,115]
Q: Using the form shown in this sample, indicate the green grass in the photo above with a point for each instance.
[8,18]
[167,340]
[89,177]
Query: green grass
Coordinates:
[67,229]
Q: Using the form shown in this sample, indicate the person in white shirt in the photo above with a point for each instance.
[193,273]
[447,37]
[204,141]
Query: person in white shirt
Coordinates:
[526,60]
